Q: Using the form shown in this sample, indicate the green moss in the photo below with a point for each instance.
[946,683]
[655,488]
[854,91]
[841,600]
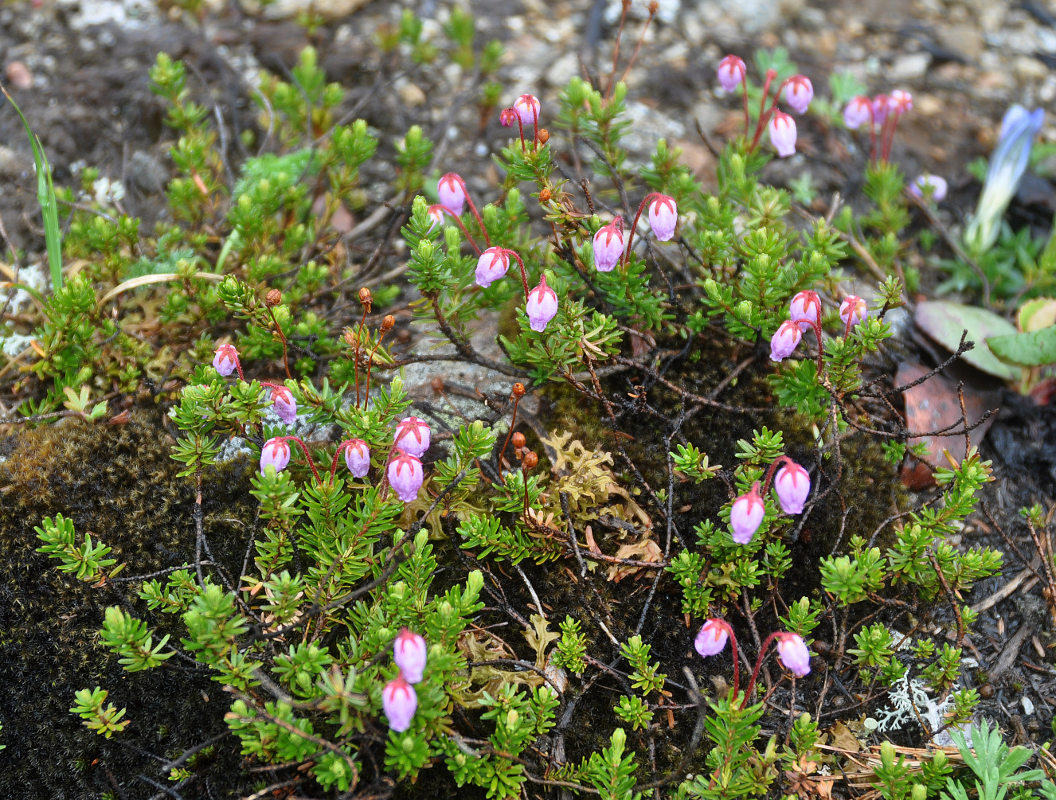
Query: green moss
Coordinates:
[117,482]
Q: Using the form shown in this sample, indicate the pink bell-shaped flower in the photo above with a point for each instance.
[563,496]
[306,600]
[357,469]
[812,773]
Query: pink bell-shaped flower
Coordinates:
[225,360]
[711,638]
[527,108]
[792,484]
[731,72]
[792,651]
[881,108]
[858,112]
[805,309]
[785,340]
[541,306]
[853,310]
[746,515]
[928,186]
[608,246]
[492,265]
[799,93]
[507,117]
[275,453]
[405,476]
[900,101]
[451,190]
[663,216]
[782,130]
[357,457]
[284,404]
[409,653]
[412,436]
[400,702]
[436,216]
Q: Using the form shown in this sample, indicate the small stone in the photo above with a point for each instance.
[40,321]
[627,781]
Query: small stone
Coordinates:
[411,95]
[908,67]
[18,75]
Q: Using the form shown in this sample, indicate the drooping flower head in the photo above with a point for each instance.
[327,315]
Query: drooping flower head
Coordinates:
[900,101]
[275,453]
[357,457]
[853,310]
[492,265]
[792,484]
[608,245]
[412,436]
[731,72]
[798,93]
[541,306]
[1007,165]
[805,309]
[409,653]
[785,340]
[712,637]
[284,404]
[746,515]
[792,651]
[225,360]
[782,130]
[527,108]
[507,117]
[436,216]
[399,701]
[405,476]
[929,186]
[881,104]
[451,190]
[663,216]
[858,112]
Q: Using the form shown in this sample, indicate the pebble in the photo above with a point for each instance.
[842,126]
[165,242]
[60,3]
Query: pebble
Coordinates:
[18,75]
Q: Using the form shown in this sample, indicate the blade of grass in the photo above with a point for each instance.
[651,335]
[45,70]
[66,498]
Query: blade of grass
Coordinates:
[49,209]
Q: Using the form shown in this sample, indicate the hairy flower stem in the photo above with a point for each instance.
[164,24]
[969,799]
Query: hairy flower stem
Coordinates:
[634,226]
[476,214]
[524,275]
[641,38]
[458,221]
[307,455]
[386,326]
[764,112]
[516,393]
[333,463]
[758,664]
[282,338]
[355,352]
[770,472]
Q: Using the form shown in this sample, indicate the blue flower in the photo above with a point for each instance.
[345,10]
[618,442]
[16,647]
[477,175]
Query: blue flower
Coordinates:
[1007,165]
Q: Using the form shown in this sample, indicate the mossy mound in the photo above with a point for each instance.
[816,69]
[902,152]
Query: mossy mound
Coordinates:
[118,483]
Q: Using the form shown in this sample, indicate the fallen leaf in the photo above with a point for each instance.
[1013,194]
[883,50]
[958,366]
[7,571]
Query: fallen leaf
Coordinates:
[945,322]
[642,550]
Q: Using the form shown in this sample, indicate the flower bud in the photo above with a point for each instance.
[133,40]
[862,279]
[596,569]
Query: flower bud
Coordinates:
[805,309]
[412,436]
[663,216]
[357,457]
[518,440]
[284,404]
[608,245]
[544,195]
[858,112]
[530,460]
[929,187]
[785,340]
[799,93]
[405,476]
[399,701]
[712,637]
[518,390]
[731,72]
[273,297]
[436,216]
[225,359]
[387,322]
[792,484]
[507,117]
[409,653]
[492,265]
[747,514]
[541,306]
[451,190]
[543,136]
[782,129]
[275,453]
[527,108]
[366,299]
[792,651]
[853,310]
